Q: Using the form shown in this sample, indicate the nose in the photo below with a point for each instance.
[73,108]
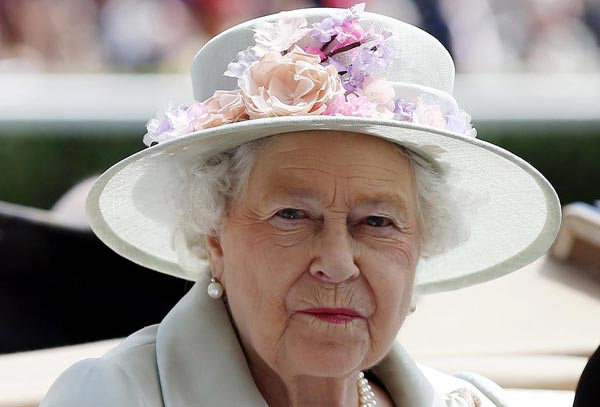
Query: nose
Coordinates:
[334,255]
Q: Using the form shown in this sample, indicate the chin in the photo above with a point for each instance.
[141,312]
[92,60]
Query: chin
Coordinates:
[326,351]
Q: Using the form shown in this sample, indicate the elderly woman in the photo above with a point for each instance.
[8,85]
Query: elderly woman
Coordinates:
[321,183]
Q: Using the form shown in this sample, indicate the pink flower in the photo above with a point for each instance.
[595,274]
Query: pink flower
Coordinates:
[349,32]
[288,85]
[429,115]
[316,51]
[351,105]
[223,107]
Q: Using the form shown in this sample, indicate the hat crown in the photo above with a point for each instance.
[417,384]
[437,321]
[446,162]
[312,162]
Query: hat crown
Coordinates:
[419,58]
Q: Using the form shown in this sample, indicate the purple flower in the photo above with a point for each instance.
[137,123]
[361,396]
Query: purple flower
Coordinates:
[459,121]
[245,58]
[329,27]
[403,110]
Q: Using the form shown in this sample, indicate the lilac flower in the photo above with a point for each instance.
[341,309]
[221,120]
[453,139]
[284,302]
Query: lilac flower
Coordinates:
[245,58]
[403,110]
[173,122]
[369,62]
[372,59]
[326,29]
[459,121]
[372,36]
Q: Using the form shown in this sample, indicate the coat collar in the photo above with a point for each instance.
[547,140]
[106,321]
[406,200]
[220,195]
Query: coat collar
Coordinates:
[200,361]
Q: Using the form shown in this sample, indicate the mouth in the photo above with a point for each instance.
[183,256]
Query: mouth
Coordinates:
[333,315]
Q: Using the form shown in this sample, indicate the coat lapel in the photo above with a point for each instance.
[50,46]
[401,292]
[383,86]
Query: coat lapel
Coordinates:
[404,381]
[201,363]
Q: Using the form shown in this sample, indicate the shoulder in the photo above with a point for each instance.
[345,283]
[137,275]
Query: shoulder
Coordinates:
[125,376]
[465,389]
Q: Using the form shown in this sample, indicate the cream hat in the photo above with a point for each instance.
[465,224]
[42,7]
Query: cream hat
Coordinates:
[329,69]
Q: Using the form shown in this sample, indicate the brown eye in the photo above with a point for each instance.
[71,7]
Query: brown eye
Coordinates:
[290,213]
[378,221]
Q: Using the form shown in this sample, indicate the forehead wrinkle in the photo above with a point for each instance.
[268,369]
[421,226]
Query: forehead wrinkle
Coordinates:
[364,170]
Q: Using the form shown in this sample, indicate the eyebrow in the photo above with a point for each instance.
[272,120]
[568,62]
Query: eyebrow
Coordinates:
[395,201]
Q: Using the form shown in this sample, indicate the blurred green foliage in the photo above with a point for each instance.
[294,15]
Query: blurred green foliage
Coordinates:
[39,166]
[567,155]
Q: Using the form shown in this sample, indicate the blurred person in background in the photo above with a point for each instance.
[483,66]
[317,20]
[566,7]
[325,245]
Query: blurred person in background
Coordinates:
[162,35]
[138,35]
[49,35]
[559,40]
[592,17]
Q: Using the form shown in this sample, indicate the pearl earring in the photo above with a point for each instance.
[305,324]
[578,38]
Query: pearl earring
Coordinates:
[215,289]
[413,307]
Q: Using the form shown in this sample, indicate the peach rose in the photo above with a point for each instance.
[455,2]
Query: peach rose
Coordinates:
[223,107]
[429,115]
[381,93]
[289,85]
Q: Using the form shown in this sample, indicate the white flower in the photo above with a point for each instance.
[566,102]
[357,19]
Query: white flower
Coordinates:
[279,35]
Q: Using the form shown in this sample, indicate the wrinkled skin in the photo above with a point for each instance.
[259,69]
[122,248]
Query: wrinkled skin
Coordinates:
[328,219]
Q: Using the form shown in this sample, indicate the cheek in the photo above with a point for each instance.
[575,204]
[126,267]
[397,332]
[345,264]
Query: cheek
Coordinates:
[259,274]
[390,274]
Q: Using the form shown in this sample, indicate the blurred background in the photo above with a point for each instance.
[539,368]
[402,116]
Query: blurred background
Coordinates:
[80,78]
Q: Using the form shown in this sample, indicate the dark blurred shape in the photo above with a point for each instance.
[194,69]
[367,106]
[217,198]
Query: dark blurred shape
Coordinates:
[588,388]
[592,17]
[433,22]
[60,285]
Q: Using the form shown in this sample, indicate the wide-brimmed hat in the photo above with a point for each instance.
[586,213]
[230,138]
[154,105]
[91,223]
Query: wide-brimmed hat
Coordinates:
[329,69]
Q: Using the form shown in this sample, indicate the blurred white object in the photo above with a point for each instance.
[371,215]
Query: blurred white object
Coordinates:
[25,377]
[581,224]
[540,398]
[131,100]
[535,328]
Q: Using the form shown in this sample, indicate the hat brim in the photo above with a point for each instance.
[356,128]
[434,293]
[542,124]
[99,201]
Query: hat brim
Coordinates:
[129,209]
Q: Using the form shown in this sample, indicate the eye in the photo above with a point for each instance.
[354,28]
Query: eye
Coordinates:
[291,213]
[378,221]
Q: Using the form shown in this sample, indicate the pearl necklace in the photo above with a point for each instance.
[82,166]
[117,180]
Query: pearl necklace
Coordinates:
[365,392]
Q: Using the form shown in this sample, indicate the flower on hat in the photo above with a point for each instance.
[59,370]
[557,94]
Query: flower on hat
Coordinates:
[333,67]
[289,85]
[223,107]
[280,35]
[429,115]
[173,122]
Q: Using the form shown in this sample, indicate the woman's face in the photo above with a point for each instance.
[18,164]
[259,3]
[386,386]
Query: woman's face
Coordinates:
[318,256]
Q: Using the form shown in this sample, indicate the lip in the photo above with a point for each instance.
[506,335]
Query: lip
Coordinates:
[333,315]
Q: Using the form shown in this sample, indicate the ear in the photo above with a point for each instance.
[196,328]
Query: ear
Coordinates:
[214,252]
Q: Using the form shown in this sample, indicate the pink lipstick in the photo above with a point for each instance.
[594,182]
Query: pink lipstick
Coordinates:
[333,315]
